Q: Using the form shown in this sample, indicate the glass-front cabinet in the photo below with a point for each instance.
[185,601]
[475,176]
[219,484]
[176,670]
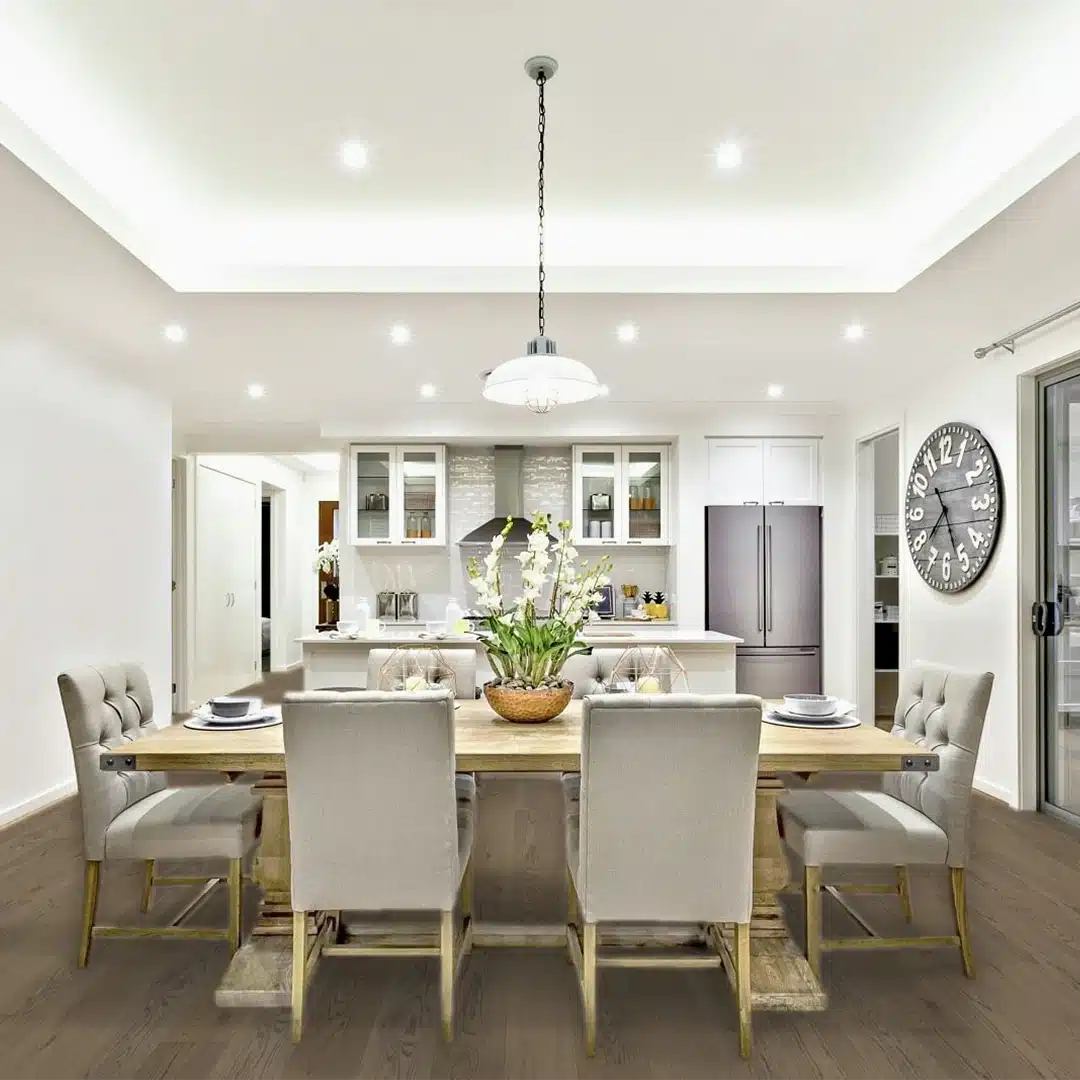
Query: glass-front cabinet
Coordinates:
[621,496]
[398,495]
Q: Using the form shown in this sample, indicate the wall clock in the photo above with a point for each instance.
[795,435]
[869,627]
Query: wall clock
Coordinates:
[953,506]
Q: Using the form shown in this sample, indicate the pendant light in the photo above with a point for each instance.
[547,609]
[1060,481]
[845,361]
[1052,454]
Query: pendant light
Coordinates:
[541,379]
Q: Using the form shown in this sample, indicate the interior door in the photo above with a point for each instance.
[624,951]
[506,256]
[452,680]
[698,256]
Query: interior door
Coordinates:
[226,541]
[1055,618]
[734,571]
[792,576]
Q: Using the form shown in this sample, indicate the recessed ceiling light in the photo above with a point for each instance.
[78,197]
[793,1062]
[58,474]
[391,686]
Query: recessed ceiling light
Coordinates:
[854,332]
[626,332]
[604,390]
[728,155]
[400,334]
[354,155]
[256,390]
[427,389]
[174,332]
[774,390]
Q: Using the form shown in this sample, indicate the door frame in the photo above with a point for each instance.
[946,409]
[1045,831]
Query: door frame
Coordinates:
[279,578]
[865,522]
[181,678]
[1034,691]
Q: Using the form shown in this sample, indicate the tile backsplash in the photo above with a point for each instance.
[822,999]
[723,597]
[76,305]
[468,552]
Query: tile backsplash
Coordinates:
[547,480]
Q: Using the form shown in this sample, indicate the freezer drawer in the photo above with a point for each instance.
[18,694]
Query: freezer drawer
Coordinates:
[772,673]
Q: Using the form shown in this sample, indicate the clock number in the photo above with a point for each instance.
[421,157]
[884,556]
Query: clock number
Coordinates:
[974,474]
[930,463]
[919,540]
[980,502]
[915,513]
[977,538]
[945,449]
[933,557]
[960,456]
[919,483]
[946,566]
[962,558]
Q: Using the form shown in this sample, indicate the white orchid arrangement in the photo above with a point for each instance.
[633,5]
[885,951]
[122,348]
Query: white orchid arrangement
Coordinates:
[528,649]
[326,558]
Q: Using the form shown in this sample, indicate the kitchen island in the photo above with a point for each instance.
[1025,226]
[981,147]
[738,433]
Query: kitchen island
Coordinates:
[708,657]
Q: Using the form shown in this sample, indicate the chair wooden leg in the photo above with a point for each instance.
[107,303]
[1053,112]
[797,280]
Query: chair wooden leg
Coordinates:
[90,897]
[903,890]
[572,914]
[812,893]
[589,986]
[147,886]
[742,985]
[959,895]
[299,972]
[236,902]
[467,890]
[446,973]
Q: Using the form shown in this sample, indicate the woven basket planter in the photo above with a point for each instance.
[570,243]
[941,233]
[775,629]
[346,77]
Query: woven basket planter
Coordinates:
[528,706]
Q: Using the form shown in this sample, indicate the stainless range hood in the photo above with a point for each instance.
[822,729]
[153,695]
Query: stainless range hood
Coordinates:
[509,502]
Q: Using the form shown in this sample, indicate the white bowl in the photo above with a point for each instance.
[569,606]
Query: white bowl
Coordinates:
[810,704]
[436,629]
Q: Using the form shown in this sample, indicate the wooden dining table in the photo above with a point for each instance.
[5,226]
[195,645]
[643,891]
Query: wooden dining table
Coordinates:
[260,972]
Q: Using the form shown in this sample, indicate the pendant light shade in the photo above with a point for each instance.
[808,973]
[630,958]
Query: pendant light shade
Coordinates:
[541,379]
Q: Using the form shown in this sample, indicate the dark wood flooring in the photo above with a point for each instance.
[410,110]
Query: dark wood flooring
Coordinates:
[144,1008]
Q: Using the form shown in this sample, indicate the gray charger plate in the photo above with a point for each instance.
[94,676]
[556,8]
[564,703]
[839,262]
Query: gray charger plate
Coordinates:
[263,719]
[831,724]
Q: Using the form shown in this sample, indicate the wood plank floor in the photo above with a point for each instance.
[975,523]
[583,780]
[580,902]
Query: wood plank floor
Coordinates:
[144,1008]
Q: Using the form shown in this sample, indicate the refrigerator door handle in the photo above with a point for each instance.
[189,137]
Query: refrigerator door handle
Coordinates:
[760,591]
[768,577]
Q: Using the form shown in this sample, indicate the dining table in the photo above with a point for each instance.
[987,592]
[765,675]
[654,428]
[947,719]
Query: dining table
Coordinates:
[259,973]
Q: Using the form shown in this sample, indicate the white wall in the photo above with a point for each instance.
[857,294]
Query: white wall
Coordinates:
[84,549]
[318,487]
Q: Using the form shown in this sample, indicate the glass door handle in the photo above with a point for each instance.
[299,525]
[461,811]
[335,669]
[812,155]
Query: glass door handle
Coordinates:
[1046,618]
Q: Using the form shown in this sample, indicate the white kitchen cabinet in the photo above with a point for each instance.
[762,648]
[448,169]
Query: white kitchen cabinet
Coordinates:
[397,496]
[621,496]
[779,471]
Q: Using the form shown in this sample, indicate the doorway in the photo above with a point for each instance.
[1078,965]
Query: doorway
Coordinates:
[266,544]
[1056,614]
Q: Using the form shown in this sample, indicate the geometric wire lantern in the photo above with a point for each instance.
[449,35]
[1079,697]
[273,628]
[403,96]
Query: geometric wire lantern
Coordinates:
[413,669]
[654,670]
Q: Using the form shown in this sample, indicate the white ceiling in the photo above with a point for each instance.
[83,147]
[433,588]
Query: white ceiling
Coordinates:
[203,136]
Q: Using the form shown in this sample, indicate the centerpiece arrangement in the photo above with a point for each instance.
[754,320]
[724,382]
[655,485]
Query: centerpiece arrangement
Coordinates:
[526,647]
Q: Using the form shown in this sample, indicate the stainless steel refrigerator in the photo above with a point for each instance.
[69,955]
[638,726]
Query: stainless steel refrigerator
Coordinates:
[763,584]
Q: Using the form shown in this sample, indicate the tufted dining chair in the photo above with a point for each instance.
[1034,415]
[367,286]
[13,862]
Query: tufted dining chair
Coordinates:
[134,815]
[917,819]
[660,828]
[391,837]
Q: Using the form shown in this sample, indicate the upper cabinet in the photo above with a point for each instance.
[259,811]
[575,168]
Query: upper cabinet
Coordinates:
[621,496]
[753,472]
[397,496]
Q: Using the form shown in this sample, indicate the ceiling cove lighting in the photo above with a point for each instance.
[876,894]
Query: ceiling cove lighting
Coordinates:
[174,332]
[256,390]
[626,332]
[354,155]
[774,390]
[541,379]
[728,155]
[854,332]
[400,334]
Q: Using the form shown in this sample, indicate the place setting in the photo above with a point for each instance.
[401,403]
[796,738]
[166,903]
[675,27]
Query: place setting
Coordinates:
[234,714]
[818,711]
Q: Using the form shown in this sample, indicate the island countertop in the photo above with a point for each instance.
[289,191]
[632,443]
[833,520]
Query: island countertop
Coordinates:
[621,636]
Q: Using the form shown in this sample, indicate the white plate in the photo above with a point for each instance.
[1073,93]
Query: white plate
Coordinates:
[265,719]
[831,723]
[842,709]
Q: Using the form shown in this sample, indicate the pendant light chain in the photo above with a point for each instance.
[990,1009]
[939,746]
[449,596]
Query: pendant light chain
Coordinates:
[541,79]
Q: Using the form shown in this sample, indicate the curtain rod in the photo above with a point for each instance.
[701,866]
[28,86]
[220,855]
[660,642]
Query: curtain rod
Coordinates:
[1009,341]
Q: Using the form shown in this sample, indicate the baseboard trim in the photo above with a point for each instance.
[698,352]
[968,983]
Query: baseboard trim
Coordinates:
[994,791]
[294,666]
[12,815]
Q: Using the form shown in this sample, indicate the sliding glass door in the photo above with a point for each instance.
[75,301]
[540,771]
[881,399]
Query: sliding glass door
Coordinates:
[1056,615]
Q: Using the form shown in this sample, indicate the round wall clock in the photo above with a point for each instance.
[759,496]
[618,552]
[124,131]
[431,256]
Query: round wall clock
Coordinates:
[953,506]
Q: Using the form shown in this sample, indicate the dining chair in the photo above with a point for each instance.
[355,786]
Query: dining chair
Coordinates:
[916,819]
[134,815]
[592,672]
[660,828]
[375,825]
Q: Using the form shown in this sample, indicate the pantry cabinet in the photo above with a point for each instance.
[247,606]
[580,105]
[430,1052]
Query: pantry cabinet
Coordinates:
[397,496]
[764,472]
[621,496]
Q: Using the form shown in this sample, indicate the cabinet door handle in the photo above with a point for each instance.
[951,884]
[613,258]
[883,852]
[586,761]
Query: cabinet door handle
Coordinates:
[635,541]
[751,502]
[768,577]
[760,591]
[776,502]
[382,541]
